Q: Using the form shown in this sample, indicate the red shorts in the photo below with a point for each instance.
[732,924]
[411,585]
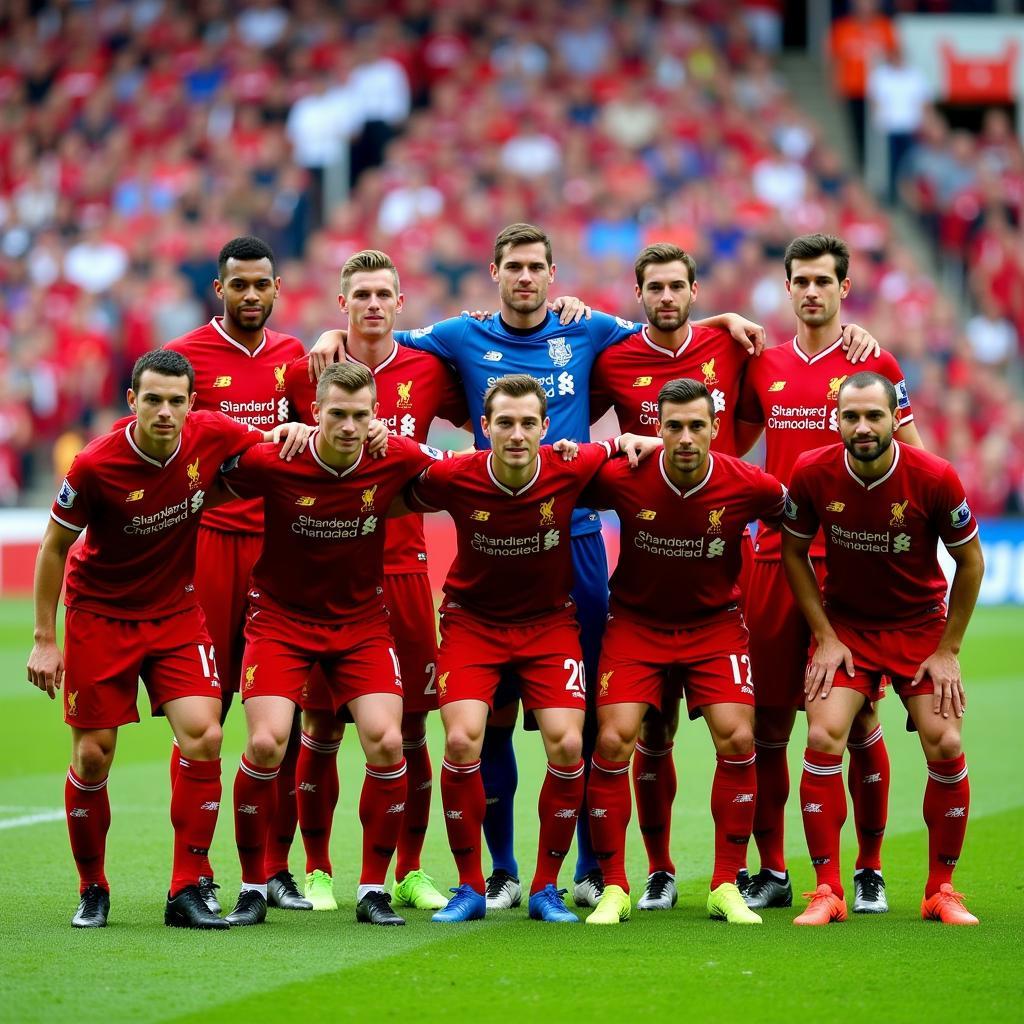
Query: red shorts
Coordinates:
[544,655]
[356,658]
[224,563]
[887,655]
[779,635]
[413,627]
[644,665]
[104,659]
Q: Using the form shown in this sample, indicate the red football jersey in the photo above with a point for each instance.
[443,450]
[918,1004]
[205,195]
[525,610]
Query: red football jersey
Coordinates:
[139,554]
[628,377]
[323,538]
[680,551]
[514,559]
[794,396]
[248,387]
[881,537]
[413,388]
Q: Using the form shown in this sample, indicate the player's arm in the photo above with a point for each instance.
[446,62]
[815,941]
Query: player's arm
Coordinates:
[907,434]
[747,435]
[743,331]
[944,664]
[858,344]
[45,662]
[291,437]
[830,653]
[636,448]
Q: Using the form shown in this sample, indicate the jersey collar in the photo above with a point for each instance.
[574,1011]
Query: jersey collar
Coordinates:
[696,487]
[389,358]
[216,325]
[661,350]
[881,479]
[810,360]
[149,458]
[508,490]
[311,447]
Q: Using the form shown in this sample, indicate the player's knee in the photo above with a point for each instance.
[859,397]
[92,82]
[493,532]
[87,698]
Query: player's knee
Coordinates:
[821,738]
[656,733]
[737,740]
[414,726]
[946,744]
[91,759]
[322,726]
[566,748]
[265,749]
[773,725]
[384,746]
[203,742]
[614,744]
[462,746]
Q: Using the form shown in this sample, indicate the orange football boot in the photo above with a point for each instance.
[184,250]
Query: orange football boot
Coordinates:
[825,907]
[946,906]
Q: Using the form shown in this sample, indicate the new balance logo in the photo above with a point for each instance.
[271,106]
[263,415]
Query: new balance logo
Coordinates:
[79,812]
[647,777]
[453,815]
[396,809]
[873,777]
[743,798]
[425,785]
[248,809]
[211,805]
[307,787]
[956,812]
[565,812]
[812,808]
[599,812]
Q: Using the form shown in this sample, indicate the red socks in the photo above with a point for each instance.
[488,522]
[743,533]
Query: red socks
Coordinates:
[770,808]
[610,805]
[868,780]
[947,802]
[316,791]
[559,804]
[381,808]
[462,795]
[195,802]
[281,826]
[88,814]
[823,804]
[254,799]
[654,779]
[417,807]
[733,794]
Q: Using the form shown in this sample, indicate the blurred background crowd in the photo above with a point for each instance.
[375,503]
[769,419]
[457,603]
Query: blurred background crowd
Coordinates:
[137,136]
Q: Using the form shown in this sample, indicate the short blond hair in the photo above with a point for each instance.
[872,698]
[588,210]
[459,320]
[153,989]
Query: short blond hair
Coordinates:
[367,260]
[349,377]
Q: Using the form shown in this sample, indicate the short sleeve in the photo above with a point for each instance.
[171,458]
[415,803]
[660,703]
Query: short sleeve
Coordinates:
[246,475]
[71,506]
[428,491]
[955,521]
[606,330]
[748,408]
[799,517]
[440,339]
[769,499]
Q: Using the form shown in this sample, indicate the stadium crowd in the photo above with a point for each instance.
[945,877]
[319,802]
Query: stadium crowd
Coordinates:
[135,138]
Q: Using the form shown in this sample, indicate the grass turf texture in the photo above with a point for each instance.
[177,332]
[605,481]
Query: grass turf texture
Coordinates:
[679,963]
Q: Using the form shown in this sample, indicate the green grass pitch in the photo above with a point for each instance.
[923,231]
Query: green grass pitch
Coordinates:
[676,965]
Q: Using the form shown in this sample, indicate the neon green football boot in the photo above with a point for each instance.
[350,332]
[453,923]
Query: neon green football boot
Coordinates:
[417,890]
[320,890]
[726,904]
[612,908]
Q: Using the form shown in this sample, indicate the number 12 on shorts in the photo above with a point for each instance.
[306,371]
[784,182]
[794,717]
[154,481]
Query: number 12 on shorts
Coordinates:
[208,663]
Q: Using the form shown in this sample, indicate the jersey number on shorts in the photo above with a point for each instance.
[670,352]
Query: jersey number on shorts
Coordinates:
[577,682]
[208,661]
[743,660]
[431,670]
[398,670]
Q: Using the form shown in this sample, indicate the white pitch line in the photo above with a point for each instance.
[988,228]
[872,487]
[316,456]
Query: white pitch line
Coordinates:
[32,819]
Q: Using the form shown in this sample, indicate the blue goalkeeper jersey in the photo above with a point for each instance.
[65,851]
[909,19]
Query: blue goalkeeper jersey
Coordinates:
[560,356]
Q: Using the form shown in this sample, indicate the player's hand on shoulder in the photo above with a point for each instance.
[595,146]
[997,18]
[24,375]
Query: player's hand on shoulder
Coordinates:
[476,314]
[46,667]
[858,344]
[377,439]
[745,332]
[566,448]
[292,438]
[327,350]
[636,448]
[947,684]
[569,309]
[829,657]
